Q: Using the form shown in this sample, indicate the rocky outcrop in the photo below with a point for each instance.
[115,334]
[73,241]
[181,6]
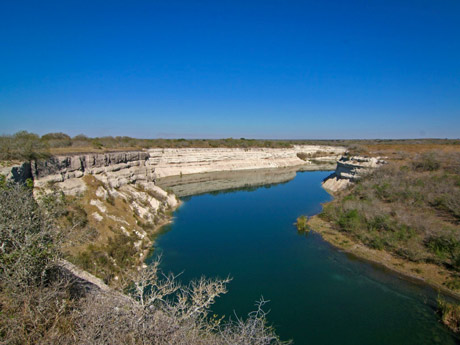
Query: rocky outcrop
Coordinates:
[18,173]
[117,169]
[114,169]
[176,162]
[350,169]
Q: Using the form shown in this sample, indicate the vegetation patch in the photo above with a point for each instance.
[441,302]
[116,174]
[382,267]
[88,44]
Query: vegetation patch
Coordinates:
[301,223]
[411,209]
[41,305]
[450,314]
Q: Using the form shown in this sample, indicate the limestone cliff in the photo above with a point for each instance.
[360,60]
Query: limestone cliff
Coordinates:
[114,169]
[176,162]
[349,169]
[121,168]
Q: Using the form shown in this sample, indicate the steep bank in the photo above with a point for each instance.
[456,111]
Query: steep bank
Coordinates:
[349,170]
[176,162]
[114,169]
[120,168]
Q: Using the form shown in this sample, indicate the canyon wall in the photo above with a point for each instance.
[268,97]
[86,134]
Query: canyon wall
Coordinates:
[124,193]
[114,169]
[117,169]
[175,162]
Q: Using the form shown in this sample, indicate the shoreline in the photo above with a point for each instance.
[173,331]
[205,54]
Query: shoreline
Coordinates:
[420,273]
[155,232]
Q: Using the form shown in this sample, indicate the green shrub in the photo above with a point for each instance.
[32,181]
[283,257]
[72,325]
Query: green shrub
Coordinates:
[350,221]
[426,162]
[377,243]
[453,284]
[301,223]
[444,247]
[28,236]
[450,314]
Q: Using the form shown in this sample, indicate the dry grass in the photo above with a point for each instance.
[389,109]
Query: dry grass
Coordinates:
[398,151]
[409,208]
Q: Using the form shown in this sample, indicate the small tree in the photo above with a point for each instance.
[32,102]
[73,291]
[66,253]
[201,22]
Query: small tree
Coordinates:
[301,223]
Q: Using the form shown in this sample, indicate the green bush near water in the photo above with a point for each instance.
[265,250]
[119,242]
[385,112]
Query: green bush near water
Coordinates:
[301,223]
[450,314]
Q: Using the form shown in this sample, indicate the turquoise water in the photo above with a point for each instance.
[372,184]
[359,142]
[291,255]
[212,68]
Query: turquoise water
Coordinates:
[317,294]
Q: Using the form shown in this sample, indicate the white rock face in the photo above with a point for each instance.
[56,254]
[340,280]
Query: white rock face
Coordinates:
[335,184]
[175,162]
[121,168]
[18,173]
[114,169]
[353,168]
[350,169]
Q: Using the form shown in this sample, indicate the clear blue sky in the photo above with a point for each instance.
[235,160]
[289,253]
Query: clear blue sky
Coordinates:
[212,69]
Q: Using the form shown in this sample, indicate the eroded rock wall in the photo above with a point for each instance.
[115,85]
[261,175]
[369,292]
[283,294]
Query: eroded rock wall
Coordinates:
[176,162]
[18,173]
[120,168]
[114,169]
[350,169]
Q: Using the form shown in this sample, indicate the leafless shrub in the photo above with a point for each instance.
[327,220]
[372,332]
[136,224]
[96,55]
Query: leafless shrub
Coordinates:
[40,314]
[160,310]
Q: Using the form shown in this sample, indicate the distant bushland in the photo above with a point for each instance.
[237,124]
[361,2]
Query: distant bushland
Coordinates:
[28,146]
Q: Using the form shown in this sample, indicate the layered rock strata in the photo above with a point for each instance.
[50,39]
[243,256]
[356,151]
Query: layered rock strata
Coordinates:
[120,168]
[114,169]
[176,162]
[350,169]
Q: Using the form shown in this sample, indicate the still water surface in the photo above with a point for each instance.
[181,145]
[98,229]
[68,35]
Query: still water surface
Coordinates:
[317,294]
